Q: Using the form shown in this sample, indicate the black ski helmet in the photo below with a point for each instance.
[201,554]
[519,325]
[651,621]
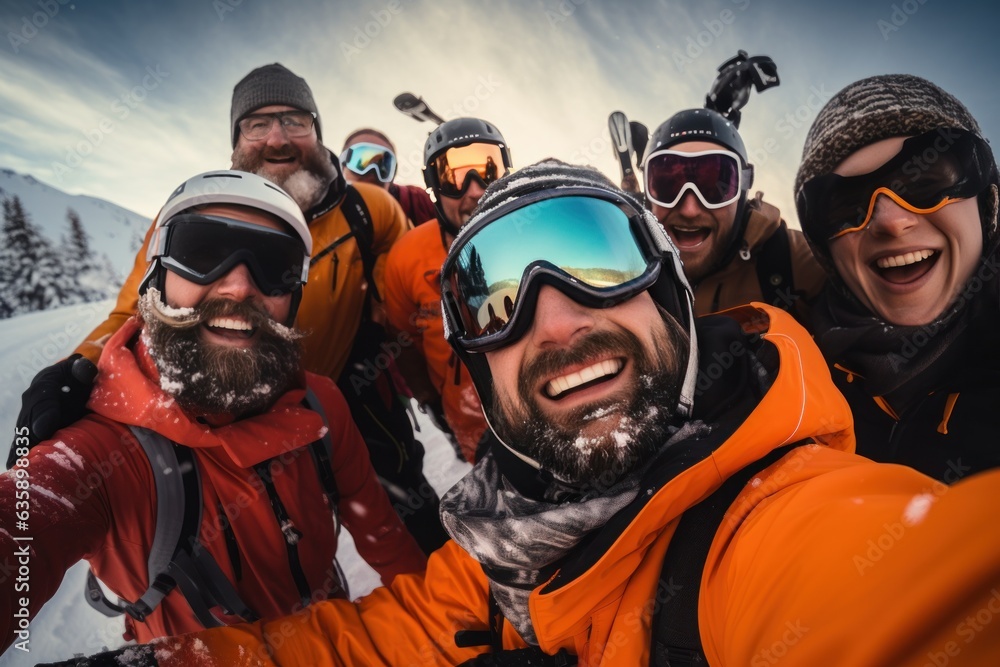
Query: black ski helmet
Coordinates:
[711,126]
[453,133]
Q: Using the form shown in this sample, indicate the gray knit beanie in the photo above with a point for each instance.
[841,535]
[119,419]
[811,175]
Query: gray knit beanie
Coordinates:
[267,85]
[881,107]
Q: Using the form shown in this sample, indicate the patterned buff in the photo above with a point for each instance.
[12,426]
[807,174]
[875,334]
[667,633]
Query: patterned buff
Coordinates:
[519,540]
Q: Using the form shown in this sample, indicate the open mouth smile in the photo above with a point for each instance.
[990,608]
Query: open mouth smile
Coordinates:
[229,327]
[905,267]
[565,385]
[689,237]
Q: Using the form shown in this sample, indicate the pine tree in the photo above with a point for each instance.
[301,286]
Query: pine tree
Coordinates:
[89,279]
[31,276]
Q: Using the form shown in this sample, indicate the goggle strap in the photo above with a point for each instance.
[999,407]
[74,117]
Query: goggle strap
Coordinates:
[157,244]
[685,404]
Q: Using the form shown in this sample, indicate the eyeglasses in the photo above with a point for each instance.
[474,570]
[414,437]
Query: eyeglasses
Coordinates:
[203,248]
[363,157]
[594,249]
[456,168]
[294,123]
[930,171]
[716,177]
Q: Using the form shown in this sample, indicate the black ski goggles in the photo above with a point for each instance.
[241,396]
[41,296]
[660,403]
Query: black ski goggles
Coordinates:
[456,168]
[597,251]
[363,157]
[716,177]
[930,171]
[203,248]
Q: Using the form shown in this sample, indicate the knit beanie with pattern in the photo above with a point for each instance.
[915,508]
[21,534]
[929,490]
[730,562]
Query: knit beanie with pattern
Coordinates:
[270,85]
[877,108]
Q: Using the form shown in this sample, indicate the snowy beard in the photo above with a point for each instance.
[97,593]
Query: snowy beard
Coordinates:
[306,186]
[646,410]
[207,378]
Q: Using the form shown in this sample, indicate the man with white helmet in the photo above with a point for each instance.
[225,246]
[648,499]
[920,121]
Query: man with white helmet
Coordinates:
[276,133]
[208,372]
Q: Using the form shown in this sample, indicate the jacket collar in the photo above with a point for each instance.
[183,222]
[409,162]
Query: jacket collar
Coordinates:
[127,390]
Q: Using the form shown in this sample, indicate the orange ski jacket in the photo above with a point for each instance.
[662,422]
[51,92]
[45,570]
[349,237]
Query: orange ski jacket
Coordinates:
[413,306]
[824,558]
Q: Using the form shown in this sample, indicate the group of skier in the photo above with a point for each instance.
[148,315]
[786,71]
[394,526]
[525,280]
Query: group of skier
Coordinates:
[665,470]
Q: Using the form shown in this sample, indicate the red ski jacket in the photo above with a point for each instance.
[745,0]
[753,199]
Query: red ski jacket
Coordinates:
[89,493]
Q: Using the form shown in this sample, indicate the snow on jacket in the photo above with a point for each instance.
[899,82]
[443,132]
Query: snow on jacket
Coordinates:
[332,301]
[92,496]
[413,305]
[824,558]
[738,282]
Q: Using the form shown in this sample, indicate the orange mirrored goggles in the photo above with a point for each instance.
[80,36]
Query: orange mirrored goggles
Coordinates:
[456,168]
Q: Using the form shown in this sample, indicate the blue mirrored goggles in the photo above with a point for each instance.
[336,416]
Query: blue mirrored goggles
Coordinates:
[593,248]
[363,157]
[204,248]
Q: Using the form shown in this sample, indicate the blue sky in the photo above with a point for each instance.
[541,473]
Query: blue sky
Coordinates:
[124,100]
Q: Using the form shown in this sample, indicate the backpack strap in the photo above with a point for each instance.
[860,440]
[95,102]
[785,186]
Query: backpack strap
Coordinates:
[360,220]
[178,513]
[176,557]
[774,269]
[675,635]
[322,453]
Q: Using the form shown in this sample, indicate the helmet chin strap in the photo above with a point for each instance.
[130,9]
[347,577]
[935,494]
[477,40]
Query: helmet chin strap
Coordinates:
[446,225]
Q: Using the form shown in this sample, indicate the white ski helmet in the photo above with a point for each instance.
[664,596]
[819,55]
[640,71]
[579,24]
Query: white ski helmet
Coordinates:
[225,186]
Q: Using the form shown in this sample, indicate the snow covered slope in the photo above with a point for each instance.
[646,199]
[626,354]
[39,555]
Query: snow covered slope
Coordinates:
[67,625]
[113,230]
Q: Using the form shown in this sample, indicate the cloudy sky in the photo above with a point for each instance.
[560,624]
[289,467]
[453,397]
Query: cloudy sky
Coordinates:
[125,99]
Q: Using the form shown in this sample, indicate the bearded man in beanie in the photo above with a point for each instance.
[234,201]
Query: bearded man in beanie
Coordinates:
[647,504]
[276,133]
[897,193]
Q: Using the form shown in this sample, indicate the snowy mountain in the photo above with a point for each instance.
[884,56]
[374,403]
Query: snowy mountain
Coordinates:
[113,230]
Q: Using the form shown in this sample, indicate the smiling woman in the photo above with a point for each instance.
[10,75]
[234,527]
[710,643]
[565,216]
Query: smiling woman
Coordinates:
[897,193]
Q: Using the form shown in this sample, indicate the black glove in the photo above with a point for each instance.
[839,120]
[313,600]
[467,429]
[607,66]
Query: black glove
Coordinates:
[142,655]
[525,657]
[57,397]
